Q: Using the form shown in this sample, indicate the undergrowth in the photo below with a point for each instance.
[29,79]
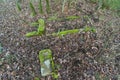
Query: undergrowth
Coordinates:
[108,4]
[41,23]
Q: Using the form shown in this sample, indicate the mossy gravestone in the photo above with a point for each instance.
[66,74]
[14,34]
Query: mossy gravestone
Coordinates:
[46,62]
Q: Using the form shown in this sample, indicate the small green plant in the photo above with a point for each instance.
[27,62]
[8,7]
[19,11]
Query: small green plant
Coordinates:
[47,6]
[62,33]
[40,6]
[41,27]
[54,17]
[32,9]
[86,29]
[34,24]
[72,17]
[40,30]
[109,4]
[36,78]
[18,6]
[89,29]
[61,19]
[55,75]
[31,34]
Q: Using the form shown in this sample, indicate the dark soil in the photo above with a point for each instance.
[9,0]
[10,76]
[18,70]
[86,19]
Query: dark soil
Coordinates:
[82,56]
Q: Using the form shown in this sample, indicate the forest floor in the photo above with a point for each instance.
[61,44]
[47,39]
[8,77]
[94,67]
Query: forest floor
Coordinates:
[82,56]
